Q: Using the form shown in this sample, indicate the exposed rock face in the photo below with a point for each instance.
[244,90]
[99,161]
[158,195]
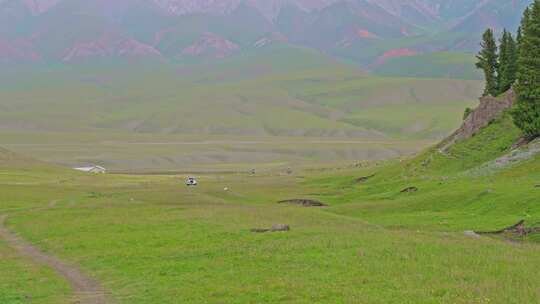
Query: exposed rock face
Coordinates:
[489,109]
[270,39]
[325,25]
[211,45]
[422,8]
[184,7]
[518,155]
[269,8]
[395,53]
[109,45]
[37,7]
[17,51]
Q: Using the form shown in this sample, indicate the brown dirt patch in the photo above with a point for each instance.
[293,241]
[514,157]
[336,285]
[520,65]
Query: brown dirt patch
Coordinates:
[364,179]
[409,190]
[303,202]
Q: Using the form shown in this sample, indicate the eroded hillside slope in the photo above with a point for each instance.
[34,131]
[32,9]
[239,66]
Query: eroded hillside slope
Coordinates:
[484,182]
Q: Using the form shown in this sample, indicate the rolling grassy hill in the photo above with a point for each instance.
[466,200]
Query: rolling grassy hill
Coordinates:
[274,94]
[443,64]
[149,239]
[10,159]
[466,188]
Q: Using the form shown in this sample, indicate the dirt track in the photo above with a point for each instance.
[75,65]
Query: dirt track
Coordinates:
[87,290]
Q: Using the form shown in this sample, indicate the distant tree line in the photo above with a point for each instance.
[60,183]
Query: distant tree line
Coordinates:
[516,63]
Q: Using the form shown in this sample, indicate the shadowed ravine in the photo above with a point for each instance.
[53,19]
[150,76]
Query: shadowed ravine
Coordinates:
[86,290]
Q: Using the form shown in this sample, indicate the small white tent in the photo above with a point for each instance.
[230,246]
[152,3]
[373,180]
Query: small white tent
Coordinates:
[92,169]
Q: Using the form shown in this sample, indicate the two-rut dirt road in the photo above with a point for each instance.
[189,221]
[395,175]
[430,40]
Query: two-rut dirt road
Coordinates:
[86,290]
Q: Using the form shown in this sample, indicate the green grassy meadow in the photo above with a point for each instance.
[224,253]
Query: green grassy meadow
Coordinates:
[440,64]
[457,191]
[23,282]
[125,152]
[150,239]
[295,103]
[310,127]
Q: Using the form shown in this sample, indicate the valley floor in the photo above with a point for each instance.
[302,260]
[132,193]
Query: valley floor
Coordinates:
[393,231]
[150,153]
[150,239]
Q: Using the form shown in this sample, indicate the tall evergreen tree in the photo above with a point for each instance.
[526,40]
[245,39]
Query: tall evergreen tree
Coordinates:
[527,110]
[518,37]
[488,61]
[507,68]
[511,73]
[503,61]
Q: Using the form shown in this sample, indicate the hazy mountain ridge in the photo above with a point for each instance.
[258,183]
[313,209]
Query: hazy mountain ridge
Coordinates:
[431,10]
[363,31]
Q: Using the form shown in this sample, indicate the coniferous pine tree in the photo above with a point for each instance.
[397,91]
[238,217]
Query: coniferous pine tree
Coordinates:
[503,62]
[511,72]
[526,113]
[507,68]
[488,61]
[518,38]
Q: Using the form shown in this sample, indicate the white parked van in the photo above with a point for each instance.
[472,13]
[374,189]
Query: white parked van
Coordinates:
[191,181]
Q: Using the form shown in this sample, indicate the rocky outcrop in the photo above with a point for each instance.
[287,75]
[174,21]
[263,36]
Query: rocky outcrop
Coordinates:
[410,190]
[109,45]
[18,51]
[395,53]
[525,151]
[211,45]
[37,7]
[489,109]
[269,8]
[274,228]
[186,7]
[519,229]
[270,39]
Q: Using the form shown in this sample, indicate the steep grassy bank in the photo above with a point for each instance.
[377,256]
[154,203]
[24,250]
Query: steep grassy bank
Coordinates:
[465,188]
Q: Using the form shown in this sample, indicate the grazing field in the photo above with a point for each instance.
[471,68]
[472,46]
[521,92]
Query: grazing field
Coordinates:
[441,64]
[248,159]
[324,102]
[125,152]
[24,282]
[150,239]
[295,103]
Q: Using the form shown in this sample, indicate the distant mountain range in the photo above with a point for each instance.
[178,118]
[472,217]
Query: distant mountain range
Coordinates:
[365,32]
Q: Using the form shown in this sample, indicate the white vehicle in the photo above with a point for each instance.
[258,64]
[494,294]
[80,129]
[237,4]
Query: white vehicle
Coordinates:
[191,181]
